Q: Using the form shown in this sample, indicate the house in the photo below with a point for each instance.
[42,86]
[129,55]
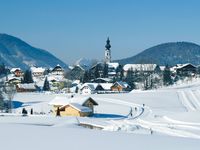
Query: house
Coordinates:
[112,69]
[17,72]
[37,71]
[146,68]
[184,69]
[26,87]
[58,70]
[97,70]
[120,86]
[76,73]
[88,88]
[74,106]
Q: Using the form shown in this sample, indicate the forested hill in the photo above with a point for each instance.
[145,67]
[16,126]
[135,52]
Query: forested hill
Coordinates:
[16,53]
[167,53]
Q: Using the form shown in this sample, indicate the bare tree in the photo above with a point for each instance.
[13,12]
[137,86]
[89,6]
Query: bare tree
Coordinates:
[9,90]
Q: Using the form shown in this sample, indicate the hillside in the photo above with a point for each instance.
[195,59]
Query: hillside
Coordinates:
[168,53]
[17,53]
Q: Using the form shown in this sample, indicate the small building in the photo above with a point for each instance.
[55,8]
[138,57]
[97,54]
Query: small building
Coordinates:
[74,109]
[120,86]
[17,72]
[58,70]
[26,87]
[74,106]
[88,88]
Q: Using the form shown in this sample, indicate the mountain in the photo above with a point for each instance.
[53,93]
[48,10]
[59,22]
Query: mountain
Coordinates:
[16,53]
[167,53]
[86,64]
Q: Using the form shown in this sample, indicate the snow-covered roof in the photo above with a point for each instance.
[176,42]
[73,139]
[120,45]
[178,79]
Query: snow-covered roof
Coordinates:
[106,86]
[14,69]
[80,107]
[112,73]
[179,66]
[57,68]
[37,69]
[140,67]
[58,100]
[92,86]
[113,65]
[121,83]
[27,86]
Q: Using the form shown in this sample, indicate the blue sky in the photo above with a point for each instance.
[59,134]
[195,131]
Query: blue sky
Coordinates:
[71,29]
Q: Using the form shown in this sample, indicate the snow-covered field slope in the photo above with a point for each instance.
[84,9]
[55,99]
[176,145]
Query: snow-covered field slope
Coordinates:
[167,118]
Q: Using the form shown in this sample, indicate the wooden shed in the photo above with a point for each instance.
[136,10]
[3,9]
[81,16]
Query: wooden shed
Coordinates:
[74,106]
[74,109]
[120,86]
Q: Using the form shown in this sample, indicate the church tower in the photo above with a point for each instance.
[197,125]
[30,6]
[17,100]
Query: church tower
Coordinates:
[107,58]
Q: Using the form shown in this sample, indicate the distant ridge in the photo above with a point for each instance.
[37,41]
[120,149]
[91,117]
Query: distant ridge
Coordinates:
[168,53]
[16,53]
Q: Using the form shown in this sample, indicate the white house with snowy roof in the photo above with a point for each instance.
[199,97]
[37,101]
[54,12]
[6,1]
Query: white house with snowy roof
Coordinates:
[37,71]
[139,68]
[58,70]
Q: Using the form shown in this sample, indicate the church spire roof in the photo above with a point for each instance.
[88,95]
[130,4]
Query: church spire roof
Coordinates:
[108,46]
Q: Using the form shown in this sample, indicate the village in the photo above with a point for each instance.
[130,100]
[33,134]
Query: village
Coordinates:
[105,77]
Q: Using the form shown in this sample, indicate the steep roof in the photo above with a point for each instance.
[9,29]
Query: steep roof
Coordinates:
[15,69]
[92,86]
[62,101]
[122,84]
[80,107]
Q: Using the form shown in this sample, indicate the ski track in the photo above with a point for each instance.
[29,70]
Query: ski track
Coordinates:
[188,98]
[185,101]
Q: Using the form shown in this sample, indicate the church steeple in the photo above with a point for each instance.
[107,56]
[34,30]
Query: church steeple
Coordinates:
[107,58]
[108,46]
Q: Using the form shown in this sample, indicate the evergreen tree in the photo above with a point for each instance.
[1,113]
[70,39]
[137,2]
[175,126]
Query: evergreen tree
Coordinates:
[120,72]
[105,70]
[86,76]
[1,101]
[167,79]
[130,78]
[27,77]
[46,86]
[76,90]
[97,70]
[2,69]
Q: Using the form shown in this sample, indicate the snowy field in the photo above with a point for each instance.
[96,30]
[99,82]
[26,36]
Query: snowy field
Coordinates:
[168,118]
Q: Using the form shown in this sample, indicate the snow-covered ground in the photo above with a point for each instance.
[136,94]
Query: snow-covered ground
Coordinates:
[167,118]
